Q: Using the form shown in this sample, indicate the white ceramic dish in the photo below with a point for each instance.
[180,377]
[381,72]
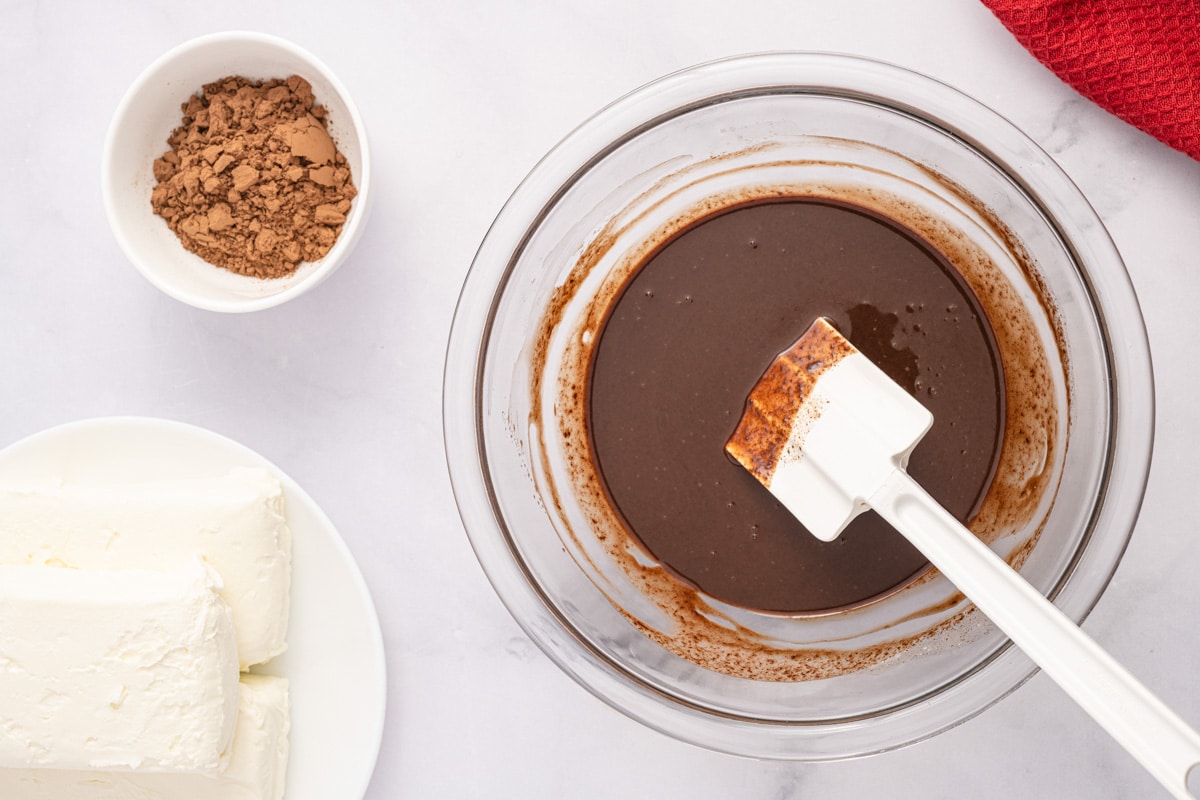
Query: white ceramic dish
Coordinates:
[138,134]
[335,657]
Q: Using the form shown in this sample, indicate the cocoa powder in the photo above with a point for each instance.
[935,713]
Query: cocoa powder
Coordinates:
[253,181]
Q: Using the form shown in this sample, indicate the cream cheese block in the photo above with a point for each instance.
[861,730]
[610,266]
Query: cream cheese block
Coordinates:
[116,669]
[256,771]
[235,523]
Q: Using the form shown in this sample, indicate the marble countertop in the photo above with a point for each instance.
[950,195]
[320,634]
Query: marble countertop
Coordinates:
[341,387]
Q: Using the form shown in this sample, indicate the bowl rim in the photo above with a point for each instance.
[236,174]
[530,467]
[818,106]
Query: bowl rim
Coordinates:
[350,231]
[1111,295]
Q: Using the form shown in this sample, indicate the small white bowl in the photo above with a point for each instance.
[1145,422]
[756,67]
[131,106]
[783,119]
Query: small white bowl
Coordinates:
[138,135]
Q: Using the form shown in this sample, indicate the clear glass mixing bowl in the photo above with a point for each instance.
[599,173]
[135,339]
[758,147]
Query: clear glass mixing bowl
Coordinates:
[859,680]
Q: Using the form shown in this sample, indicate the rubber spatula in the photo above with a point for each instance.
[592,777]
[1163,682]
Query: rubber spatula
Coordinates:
[829,434]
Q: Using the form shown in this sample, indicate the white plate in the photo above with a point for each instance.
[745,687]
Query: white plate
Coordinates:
[335,658]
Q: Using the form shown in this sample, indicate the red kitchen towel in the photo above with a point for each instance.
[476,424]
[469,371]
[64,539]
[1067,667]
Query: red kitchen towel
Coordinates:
[1139,59]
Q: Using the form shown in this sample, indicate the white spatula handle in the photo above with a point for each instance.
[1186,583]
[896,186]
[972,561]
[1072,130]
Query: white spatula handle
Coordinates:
[1164,744]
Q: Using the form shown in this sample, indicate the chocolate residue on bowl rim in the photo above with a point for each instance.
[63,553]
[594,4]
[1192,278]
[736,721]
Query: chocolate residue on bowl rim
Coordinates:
[705,634]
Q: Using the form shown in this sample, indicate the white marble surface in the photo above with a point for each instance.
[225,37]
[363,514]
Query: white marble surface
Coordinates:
[341,388]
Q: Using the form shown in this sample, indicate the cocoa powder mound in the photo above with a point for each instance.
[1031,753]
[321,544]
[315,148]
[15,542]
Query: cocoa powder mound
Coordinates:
[253,181]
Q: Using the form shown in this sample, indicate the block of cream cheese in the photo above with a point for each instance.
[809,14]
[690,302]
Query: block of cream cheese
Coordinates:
[116,669]
[256,770]
[235,523]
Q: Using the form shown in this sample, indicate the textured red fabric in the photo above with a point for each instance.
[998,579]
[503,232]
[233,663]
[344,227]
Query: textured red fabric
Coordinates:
[1139,59]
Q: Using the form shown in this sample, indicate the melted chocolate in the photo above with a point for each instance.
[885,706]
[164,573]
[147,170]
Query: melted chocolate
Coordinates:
[692,333]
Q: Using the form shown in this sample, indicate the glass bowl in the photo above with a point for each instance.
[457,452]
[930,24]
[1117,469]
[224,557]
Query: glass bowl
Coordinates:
[818,686]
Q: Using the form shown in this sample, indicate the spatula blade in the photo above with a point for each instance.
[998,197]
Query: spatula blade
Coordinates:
[824,428]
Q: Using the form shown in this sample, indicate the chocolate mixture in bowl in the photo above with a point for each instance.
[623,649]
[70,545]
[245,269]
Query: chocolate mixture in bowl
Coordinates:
[691,333]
